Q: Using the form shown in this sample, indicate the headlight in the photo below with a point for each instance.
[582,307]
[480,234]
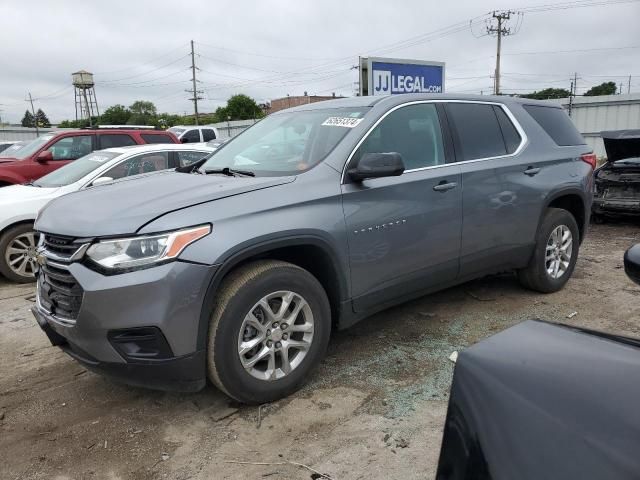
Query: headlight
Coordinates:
[133,252]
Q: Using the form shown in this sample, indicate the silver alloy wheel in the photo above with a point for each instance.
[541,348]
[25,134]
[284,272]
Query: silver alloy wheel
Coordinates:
[275,335]
[20,255]
[558,253]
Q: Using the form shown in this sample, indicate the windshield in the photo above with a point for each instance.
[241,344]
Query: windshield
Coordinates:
[12,149]
[177,131]
[75,170]
[32,147]
[287,143]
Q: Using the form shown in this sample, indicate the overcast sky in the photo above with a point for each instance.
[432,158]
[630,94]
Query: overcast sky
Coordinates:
[139,49]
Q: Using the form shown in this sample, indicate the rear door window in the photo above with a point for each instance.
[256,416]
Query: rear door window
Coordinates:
[115,140]
[556,123]
[478,131]
[208,134]
[145,163]
[192,136]
[511,136]
[156,138]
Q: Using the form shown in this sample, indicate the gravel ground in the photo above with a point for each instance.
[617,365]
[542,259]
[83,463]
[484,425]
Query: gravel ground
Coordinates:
[374,409]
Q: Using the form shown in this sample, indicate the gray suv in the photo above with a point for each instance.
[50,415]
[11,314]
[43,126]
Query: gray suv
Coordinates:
[237,269]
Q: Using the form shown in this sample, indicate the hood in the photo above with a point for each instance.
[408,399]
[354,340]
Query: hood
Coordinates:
[14,194]
[124,207]
[621,144]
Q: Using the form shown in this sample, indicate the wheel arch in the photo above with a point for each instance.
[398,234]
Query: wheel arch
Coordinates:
[312,253]
[573,200]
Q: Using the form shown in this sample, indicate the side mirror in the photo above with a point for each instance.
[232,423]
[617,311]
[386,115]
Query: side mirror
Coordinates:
[184,140]
[44,157]
[101,181]
[632,263]
[376,165]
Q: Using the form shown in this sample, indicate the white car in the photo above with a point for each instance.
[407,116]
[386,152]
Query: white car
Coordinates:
[20,204]
[195,134]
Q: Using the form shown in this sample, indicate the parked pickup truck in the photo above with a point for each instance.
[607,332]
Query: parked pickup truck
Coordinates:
[237,268]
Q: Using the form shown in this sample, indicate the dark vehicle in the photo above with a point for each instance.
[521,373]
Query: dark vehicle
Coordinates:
[546,401]
[617,182]
[52,150]
[308,221]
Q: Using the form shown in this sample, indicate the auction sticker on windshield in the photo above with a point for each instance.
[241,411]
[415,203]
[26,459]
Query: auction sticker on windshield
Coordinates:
[341,122]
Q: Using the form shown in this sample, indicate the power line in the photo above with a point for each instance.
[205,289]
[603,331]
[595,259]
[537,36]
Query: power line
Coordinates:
[146,73]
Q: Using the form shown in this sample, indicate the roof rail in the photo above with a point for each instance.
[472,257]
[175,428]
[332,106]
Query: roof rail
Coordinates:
[121,127]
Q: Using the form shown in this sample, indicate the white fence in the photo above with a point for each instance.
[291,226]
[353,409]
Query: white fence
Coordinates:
[233,128]
[226,129]
[592,115]
[23,133]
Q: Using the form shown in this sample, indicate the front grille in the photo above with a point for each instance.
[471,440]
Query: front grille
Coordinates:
[59,293]
[61,246]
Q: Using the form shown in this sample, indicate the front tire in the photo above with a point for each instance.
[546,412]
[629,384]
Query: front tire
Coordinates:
[17,253]
[269,329]
[555,255]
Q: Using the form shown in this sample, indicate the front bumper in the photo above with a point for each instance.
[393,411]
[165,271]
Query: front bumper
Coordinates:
[167,299]
[615,206]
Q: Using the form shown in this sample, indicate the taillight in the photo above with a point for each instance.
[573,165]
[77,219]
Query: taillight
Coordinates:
[590,158]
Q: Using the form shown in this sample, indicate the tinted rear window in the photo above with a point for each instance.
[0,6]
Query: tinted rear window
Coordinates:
[156,138]
[116,140]
[556,123]
[478,130]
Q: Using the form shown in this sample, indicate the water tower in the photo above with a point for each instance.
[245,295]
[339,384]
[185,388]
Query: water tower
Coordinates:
[85,94]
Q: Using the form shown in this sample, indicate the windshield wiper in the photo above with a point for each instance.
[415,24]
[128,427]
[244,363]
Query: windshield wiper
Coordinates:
[231,172]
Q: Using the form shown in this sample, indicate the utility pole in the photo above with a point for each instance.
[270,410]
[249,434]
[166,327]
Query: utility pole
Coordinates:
[195,90]
[629,85]
[35,120]
[572,91]
[499,30]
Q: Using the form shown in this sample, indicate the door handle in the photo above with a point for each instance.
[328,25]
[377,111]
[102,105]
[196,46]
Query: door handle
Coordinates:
[531,171]
[443,186]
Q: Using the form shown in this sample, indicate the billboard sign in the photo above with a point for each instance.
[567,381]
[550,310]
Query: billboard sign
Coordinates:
[390,76]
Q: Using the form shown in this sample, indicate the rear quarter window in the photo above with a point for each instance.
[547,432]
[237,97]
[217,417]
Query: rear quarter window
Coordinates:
[156,138]
[556,123]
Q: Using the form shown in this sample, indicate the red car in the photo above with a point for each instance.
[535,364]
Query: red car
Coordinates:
[52,150]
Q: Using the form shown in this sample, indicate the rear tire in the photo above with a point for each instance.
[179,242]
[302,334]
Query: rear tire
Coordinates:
[555,254]
[247,357]
[14,243]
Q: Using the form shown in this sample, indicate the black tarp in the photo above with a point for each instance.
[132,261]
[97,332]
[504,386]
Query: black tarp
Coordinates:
[621,144]
[544,401]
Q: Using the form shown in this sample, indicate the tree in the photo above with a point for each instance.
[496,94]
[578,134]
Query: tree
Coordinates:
[42,119]
[27,120]
[115,115]
[239,107]
[605,88]
[548,93]
[142,113]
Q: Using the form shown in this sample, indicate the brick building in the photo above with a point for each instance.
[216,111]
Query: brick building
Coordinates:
[295,101]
